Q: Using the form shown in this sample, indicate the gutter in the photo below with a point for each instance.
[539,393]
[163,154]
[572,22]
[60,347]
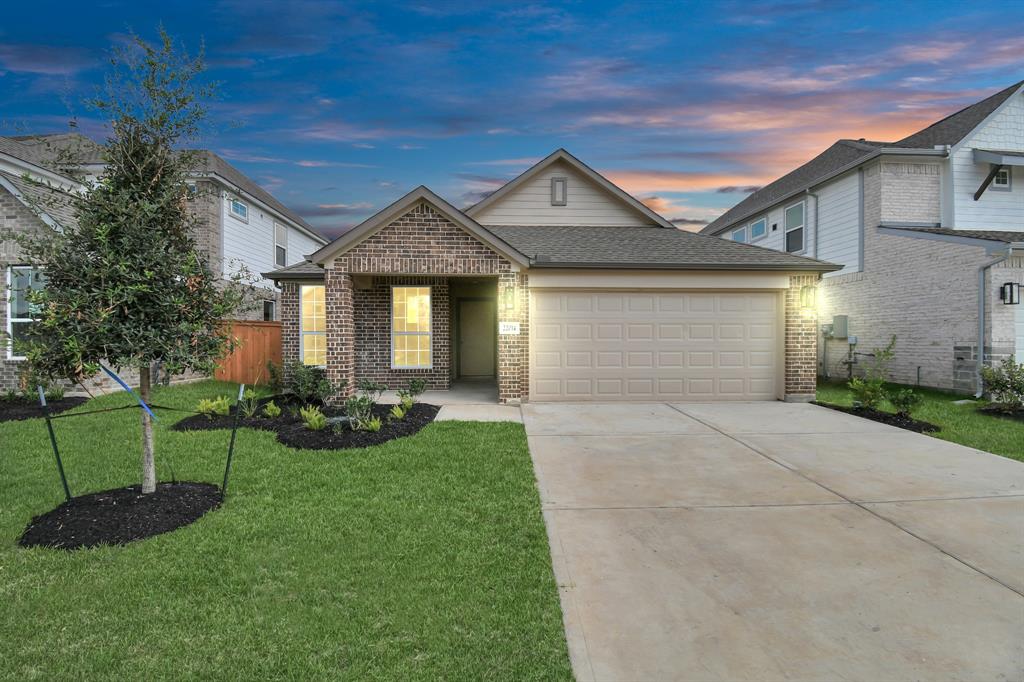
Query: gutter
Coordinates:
[540,262]
[982,276]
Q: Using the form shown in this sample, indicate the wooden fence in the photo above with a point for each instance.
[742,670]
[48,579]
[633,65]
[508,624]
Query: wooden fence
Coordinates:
[258,343]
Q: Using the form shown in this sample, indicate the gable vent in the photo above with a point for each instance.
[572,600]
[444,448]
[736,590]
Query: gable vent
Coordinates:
[559,191]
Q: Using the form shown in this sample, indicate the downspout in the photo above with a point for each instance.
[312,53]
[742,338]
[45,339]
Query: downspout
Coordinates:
[982,276]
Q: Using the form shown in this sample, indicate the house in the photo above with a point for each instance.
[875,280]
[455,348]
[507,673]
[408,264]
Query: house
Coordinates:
[241,224]
[558,286]
[930,233]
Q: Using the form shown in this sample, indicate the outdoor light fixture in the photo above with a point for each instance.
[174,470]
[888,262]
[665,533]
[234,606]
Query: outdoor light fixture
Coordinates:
[1009,293]
[807,295]
[508,299]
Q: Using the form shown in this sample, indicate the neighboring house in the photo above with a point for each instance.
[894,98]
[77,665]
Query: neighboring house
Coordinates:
[928,229]
[559,286]
[241,224]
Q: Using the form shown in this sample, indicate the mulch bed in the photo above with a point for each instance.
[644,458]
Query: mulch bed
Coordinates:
[885,418]
[997,410]
[19,408]
[120,516]
[292,432]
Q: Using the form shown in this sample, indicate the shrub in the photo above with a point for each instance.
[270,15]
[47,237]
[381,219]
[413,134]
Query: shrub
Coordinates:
[249,405]
[869,391]
[904,400]
[359,410]
[271,410]
[313,418]
[310,385]
[416,387]
[274,377]
[371,389]
[398,412]
[54,392]
[1005,383]
[214,406]
[373,424]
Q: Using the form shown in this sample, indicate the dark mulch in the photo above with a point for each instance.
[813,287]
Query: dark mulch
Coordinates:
[120,516]
[998,410]
[18,408]
[292,432]
[885,417]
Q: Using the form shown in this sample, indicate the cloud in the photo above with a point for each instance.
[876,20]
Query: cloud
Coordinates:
[49,60]
[523,161]
[408,147]
[639,182]
[745,189]
[331,210]
[309,163]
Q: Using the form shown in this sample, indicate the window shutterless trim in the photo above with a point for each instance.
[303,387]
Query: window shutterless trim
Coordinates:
[763,234]
[303,333]
[1008,187]
[280,229]
[231,209]
[741,231]
[9,341]
[430,326]
[786,229]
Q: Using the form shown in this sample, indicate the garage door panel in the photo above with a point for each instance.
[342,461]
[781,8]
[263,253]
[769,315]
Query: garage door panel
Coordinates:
[654,346]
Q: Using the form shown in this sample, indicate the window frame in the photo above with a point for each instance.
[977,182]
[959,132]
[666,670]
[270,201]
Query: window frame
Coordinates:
[430,326]
[279,245]
[739,230]
[231,209]
[564,182]
[750,230]
[10,310]
[786,229]
[273,310]
[1008,187]
[303,333]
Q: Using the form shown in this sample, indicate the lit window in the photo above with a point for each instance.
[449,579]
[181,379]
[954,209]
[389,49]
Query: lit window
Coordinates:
[559,195]
[1003,179]
[239,209]
[313,336]
[280,245]
[410,327]
[739,235]
[795,228]
[758,229]
[20,312]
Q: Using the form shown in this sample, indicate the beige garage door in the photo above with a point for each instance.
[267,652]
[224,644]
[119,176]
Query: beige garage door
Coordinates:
[654,345]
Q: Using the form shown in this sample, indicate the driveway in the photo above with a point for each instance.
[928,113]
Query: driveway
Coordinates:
[771,541]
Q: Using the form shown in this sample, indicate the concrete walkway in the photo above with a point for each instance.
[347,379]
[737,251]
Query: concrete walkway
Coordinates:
[774,541]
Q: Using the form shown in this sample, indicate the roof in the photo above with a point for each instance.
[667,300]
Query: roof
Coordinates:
[644,248]
[588,172]
[303,270]
[49,147]
[1001,236]
[839,156]
[50,204]
[955,127]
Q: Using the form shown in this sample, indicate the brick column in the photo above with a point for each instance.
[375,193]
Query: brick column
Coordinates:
[340,331]
[289,313]
[513,349]
[801,343]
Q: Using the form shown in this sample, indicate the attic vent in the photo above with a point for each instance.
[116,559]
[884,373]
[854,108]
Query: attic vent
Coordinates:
[558,191]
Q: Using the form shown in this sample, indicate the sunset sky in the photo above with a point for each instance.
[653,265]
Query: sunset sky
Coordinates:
[340,108]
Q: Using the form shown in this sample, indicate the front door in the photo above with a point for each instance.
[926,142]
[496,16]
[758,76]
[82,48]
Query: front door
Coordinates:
[477,337]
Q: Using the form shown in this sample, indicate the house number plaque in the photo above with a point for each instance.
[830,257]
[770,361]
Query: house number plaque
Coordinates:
[508,328]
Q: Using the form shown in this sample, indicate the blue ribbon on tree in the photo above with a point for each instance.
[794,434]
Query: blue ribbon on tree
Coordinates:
[129,389]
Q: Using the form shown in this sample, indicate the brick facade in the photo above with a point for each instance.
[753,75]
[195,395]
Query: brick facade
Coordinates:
[800,341]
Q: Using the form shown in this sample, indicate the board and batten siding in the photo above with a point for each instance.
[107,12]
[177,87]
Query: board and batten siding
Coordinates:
[586,203]
[251,244]
[839,223]
[996,209]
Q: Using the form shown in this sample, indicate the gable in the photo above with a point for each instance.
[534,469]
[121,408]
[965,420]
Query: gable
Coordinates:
[1004,130]
[586,203]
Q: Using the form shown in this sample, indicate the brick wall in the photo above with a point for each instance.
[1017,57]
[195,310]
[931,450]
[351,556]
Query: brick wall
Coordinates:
[288,313]
[801,338]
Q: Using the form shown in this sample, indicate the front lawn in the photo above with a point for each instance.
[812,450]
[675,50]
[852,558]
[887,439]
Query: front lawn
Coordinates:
[959,423]
[423,558]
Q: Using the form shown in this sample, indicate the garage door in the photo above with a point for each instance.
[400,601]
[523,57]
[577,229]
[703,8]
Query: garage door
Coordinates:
[654,345]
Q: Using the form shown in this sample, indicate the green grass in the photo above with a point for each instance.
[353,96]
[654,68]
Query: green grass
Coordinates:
[959,423]
[423,558]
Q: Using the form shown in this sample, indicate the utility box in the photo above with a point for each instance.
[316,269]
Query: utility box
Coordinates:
[840,326]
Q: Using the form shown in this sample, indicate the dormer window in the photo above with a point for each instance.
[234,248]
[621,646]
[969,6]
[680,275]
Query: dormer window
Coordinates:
[240,210]
[559,191]
[1002,180]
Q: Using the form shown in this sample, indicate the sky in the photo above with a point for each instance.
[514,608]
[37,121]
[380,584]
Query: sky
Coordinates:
[340,108]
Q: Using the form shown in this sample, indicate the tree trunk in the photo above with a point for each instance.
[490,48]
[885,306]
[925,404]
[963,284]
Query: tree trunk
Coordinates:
[148,464]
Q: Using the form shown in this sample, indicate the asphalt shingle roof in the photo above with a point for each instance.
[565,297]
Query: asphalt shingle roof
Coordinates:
[303,270]
[41,199]
[1004,236]
[955,127]
[644,247]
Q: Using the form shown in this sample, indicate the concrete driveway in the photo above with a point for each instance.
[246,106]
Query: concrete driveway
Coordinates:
[774,541]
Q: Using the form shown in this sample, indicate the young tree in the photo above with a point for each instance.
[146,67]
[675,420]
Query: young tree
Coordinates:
[126,284]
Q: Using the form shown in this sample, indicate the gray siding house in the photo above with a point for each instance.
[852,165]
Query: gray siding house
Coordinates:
[930,232]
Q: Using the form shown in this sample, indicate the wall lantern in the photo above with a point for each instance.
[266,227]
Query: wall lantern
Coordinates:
[807,297]
[508,299]
[1009,293]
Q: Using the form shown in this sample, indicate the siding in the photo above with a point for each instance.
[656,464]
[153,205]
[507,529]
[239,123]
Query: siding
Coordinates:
[775,238]
[252,243]
[996,210]
[586,204]
[839,223]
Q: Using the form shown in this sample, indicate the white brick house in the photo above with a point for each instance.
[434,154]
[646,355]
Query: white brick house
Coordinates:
[241,224]
[928,229]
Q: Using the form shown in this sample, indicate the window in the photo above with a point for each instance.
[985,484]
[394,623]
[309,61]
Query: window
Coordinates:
[410,327]
[795,228]
[269,312]
[739,235]
[559,191]
[240,210]
[758,229]
[1003,180]
[313,334]
[280,245]
[20,313]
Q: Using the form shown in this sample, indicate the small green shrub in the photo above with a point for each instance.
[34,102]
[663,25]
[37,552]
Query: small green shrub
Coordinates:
[249,405]
[373,424]
[1005,383]
[310,385]
[398,412]
[313,418]
[271,411]
[416,387]
[869,391]
[904,401]
[54,392]
[359,410]
[371,389]
[275,378]
[220,406]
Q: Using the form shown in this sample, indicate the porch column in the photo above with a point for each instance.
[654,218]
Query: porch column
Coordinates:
[801,339]
[513,349]
[290,329]
[340,331]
